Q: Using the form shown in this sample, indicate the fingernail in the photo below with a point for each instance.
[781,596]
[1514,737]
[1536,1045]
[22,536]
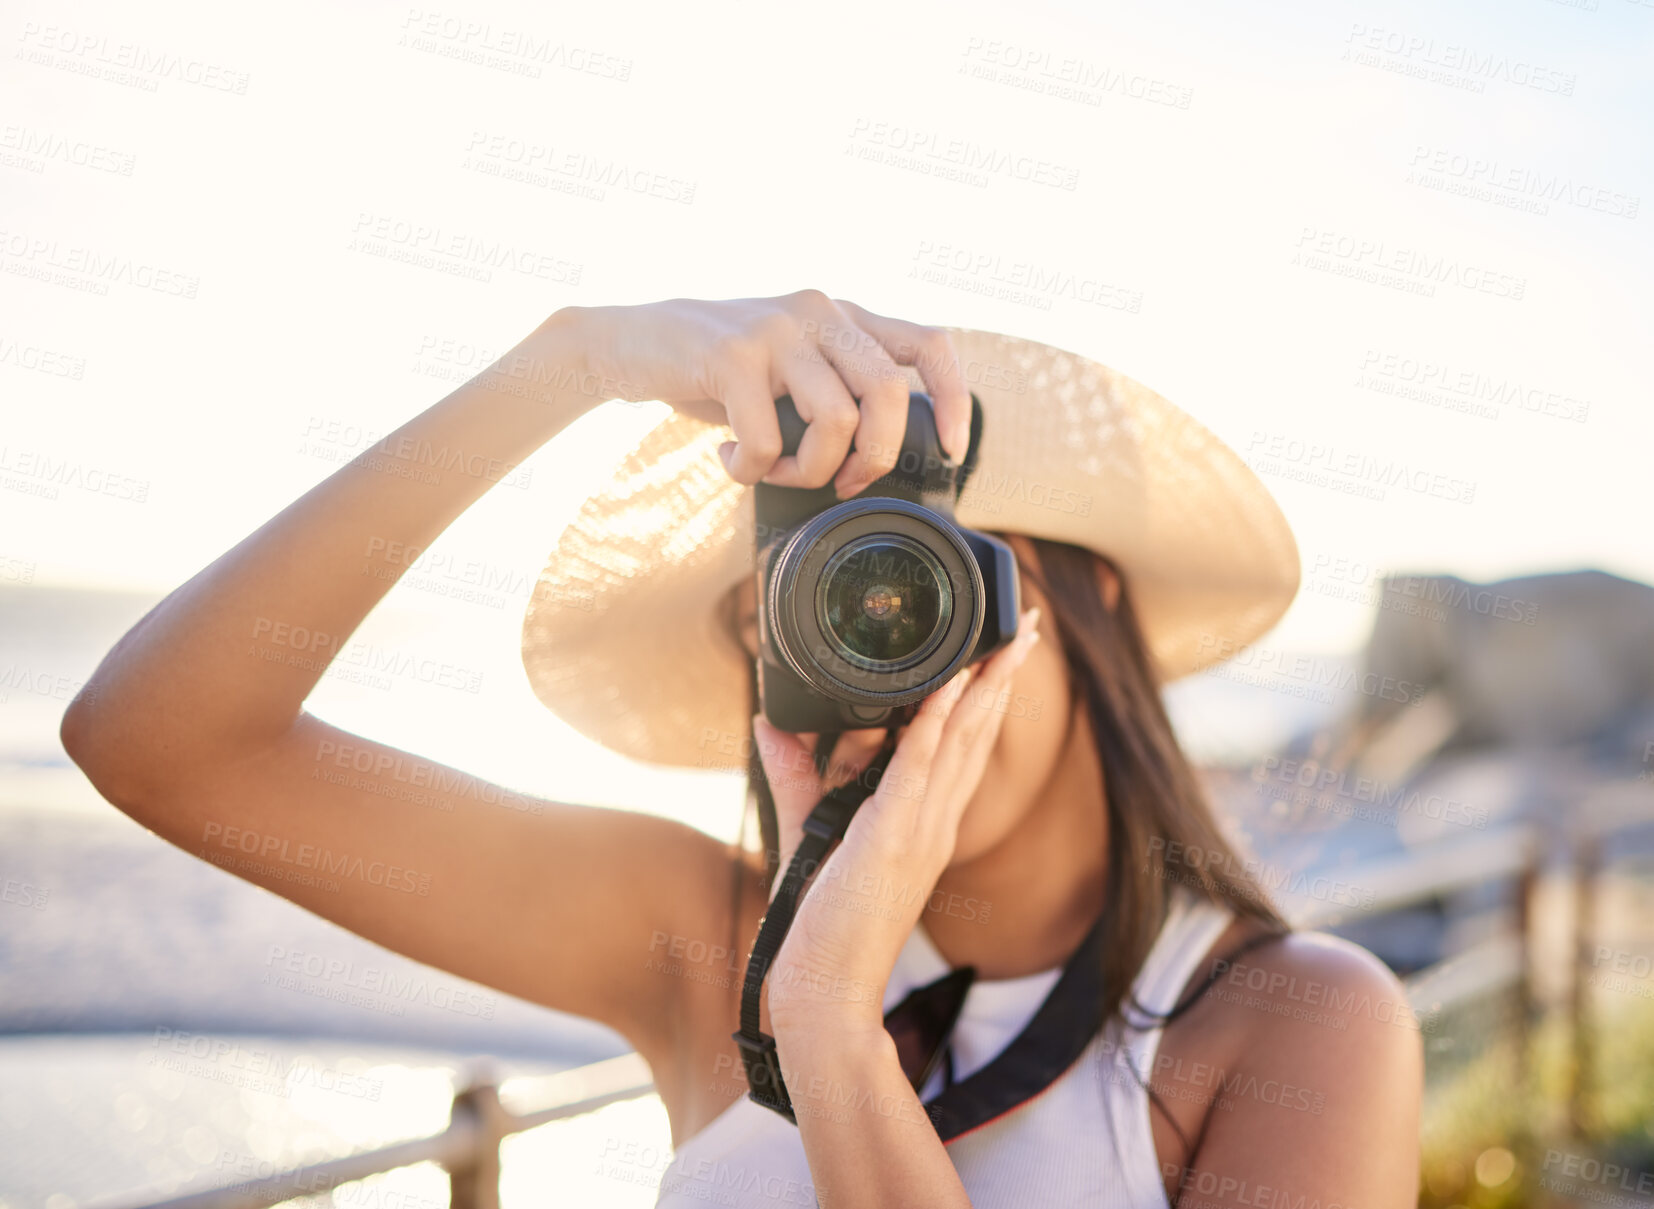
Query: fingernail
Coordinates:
[1027,636]
[961,439]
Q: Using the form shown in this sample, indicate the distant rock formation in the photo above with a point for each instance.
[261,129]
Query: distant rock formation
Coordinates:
[1539,661]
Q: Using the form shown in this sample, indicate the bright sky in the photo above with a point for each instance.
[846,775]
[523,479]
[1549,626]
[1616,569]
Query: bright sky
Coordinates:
[1347,238]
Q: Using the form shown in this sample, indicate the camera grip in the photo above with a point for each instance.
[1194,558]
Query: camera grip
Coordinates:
[920,434]
[792,425]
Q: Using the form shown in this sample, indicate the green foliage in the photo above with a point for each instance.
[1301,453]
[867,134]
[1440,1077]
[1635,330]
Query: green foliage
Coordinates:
[1496,1140]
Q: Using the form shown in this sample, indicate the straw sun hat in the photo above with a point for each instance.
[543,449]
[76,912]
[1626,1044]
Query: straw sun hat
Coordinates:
[622,638]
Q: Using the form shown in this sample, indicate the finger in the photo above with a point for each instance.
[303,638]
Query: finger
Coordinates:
[932,352]
[976,719]
[855,751]
[996,672]
[881,391]
[829,412]
[963,753]
[789,767]
[909,768]
[744,391]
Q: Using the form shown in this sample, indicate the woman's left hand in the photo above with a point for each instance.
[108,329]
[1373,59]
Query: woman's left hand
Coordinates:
[864,900]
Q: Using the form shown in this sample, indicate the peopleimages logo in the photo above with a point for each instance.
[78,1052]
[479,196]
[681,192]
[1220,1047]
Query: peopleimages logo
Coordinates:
[1064,76]
[266,848]
[1449,62]
[568,170]
[253,1068]
[32,472]
[1413,270]
[934,153]
[1277,777]
[1590,1170]
[1272,669]
[1016,279]
[37,146]
[457,252]
[1351,472]
[336,978]
[523,52]
[42,360]
[127,63]
[88,268]
[1270,879]
[1485,178]
[1469,389]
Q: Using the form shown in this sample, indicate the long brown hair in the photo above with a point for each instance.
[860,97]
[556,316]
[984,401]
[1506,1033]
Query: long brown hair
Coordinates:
[1161,826]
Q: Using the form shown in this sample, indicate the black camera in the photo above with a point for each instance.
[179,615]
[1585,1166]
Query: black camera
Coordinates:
[868,605]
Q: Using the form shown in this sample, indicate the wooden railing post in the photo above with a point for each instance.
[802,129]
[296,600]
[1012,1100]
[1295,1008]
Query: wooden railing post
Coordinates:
[1527,997]
[1582,1056]
[474,1182]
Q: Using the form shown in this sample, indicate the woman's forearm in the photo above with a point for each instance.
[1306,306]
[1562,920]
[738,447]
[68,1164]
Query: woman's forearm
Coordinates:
[866,1135]
[225,662]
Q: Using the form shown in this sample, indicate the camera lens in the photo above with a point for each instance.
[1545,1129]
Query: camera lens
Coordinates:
[871,603]
[883,601]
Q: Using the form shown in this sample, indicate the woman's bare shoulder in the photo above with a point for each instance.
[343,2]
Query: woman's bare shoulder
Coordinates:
[1330,1054]
[1300,1068]
[1313,979]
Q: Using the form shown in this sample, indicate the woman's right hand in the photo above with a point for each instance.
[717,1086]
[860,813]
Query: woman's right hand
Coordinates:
[727,362]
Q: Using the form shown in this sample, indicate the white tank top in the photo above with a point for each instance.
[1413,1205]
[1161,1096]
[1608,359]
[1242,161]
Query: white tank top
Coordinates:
[1084,1141]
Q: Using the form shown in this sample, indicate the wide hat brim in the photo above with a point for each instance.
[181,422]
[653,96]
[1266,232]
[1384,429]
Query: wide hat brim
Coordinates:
[623,640]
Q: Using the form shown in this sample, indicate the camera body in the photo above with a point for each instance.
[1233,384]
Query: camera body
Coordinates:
[868,605]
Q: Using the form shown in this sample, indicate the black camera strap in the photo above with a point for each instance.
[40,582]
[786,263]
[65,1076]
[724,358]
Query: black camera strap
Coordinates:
[1053,1040]
[824,827]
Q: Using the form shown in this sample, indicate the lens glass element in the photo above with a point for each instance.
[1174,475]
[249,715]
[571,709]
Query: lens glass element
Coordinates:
[883,601]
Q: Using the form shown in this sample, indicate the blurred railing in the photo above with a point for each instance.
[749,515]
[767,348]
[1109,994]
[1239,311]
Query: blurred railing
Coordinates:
[469,1149]
[1512,854]
[1516,855]
[1506,960]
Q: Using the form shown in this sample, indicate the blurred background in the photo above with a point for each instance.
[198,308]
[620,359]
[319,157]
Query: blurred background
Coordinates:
[1395,254]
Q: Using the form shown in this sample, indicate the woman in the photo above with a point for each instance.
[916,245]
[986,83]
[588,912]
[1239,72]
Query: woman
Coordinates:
[1004,832]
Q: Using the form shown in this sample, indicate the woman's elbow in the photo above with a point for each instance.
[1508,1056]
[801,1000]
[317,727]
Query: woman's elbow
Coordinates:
[103,745]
